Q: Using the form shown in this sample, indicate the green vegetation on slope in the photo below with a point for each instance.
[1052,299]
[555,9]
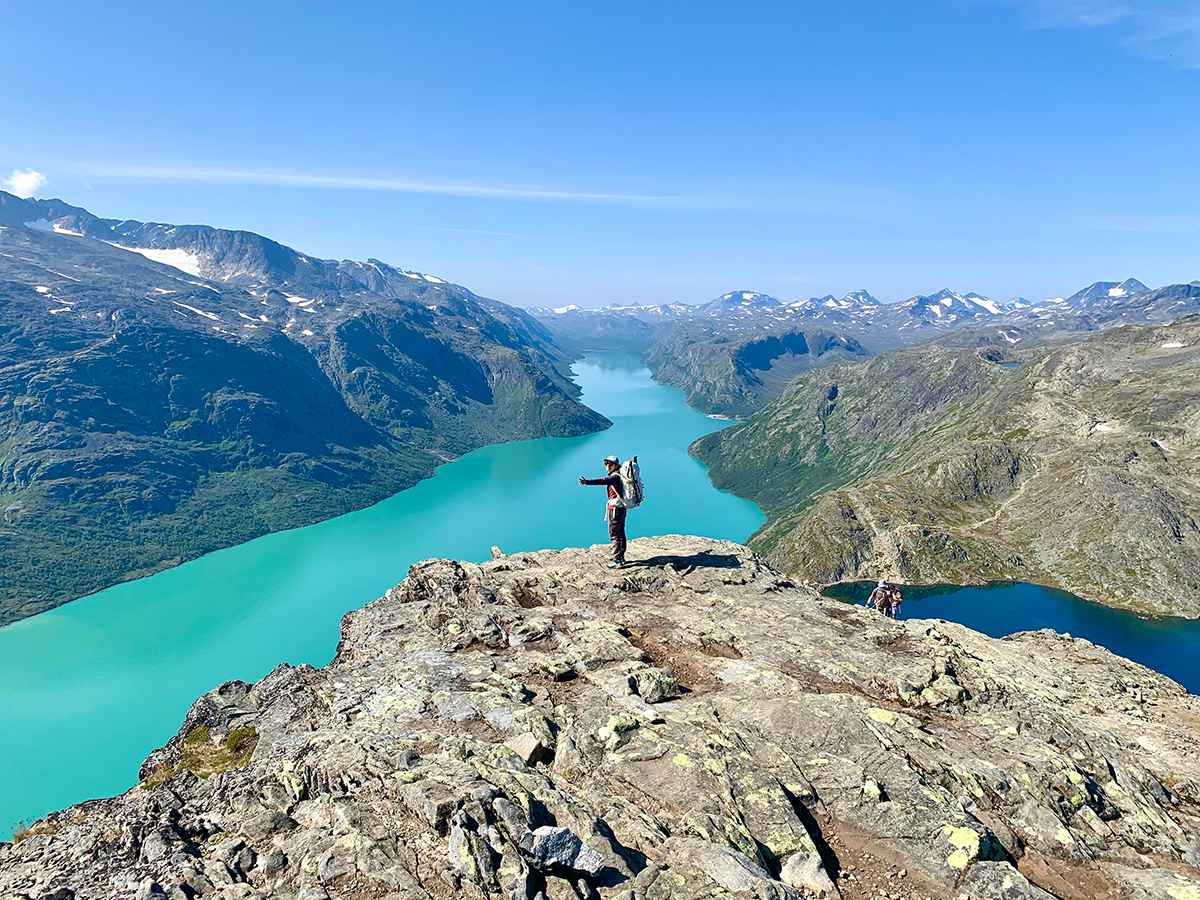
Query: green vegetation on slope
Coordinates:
[147,418]
[725,370]
[932,463]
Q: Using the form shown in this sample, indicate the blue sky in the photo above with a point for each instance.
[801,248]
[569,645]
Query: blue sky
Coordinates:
[550,153]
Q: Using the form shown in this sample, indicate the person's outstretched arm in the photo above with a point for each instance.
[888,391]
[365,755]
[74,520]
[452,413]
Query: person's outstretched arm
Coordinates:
[607,479]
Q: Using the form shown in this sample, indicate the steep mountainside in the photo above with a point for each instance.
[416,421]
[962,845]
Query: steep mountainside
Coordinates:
[695,727]
[1076,466]
[201,387]
[725,371]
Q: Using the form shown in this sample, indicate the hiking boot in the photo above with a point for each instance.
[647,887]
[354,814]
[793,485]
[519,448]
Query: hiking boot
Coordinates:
[616,564]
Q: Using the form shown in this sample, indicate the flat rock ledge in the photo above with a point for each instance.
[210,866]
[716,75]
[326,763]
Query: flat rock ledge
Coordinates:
[694,725]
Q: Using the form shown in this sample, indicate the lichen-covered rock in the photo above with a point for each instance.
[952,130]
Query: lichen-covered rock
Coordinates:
[802,738]
[654,685]
[550,848]
[1000,881]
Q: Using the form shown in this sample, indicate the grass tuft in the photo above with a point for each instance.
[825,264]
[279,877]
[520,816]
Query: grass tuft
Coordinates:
[203,756]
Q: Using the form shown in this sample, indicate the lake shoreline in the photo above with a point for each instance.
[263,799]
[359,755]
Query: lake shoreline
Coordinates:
[1167,644]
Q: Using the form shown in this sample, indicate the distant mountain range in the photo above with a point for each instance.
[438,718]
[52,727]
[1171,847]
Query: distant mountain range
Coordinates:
[943,310]
[166,390]
[663,335]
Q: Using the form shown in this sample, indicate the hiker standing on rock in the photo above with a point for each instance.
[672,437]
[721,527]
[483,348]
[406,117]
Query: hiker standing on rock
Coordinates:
[614,513]
[881,597]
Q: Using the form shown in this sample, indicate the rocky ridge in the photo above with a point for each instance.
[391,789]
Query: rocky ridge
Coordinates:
[728,373]
[695,725]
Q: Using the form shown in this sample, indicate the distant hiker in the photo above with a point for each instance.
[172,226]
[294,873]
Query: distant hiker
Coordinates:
[895,598]
[624,485]
[880,598]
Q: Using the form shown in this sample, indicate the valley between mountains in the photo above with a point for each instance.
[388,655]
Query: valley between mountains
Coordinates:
[1076,466]
[170,390]
[1052,442]
[538,727]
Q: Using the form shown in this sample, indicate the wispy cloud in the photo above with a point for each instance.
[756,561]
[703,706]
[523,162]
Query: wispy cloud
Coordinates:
[823,199]
[1165,30]
[400,185]
[1072,13]
[24,183]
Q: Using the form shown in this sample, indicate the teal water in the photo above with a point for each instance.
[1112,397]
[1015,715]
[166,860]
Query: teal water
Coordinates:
[88,690]
[1167,644]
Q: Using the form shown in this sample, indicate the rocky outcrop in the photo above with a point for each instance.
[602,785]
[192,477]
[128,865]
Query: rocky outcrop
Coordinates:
[1075,467]
[694,725]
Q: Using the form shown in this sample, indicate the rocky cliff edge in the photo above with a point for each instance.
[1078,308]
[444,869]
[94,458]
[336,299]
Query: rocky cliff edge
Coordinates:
[692,726]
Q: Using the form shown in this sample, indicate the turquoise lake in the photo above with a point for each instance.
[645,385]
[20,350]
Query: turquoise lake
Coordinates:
[89,689]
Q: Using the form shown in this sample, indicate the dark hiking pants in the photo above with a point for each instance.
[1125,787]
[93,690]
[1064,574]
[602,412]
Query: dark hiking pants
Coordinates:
[616,531]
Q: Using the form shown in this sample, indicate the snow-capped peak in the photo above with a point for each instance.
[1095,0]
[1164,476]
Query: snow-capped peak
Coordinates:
[1103,291]
[740,303]
[860,298]
[746,298]
[990,305]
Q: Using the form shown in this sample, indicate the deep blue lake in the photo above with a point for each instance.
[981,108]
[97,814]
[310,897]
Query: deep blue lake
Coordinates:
[1168,644]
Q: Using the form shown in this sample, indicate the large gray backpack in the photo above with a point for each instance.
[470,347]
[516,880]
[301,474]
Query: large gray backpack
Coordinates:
[632,489]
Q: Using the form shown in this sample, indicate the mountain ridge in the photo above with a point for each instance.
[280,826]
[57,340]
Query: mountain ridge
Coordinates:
[149,414]
[690,346]
[1070,465]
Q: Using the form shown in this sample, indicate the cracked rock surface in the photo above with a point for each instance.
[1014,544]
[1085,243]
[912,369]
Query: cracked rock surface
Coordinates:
[703,728]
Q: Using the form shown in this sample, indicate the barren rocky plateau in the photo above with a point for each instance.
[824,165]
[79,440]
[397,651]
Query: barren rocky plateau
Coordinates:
[694,725]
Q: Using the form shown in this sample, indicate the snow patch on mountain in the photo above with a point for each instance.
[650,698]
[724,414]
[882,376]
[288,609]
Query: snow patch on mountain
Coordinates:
[199,312]
[179,259]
